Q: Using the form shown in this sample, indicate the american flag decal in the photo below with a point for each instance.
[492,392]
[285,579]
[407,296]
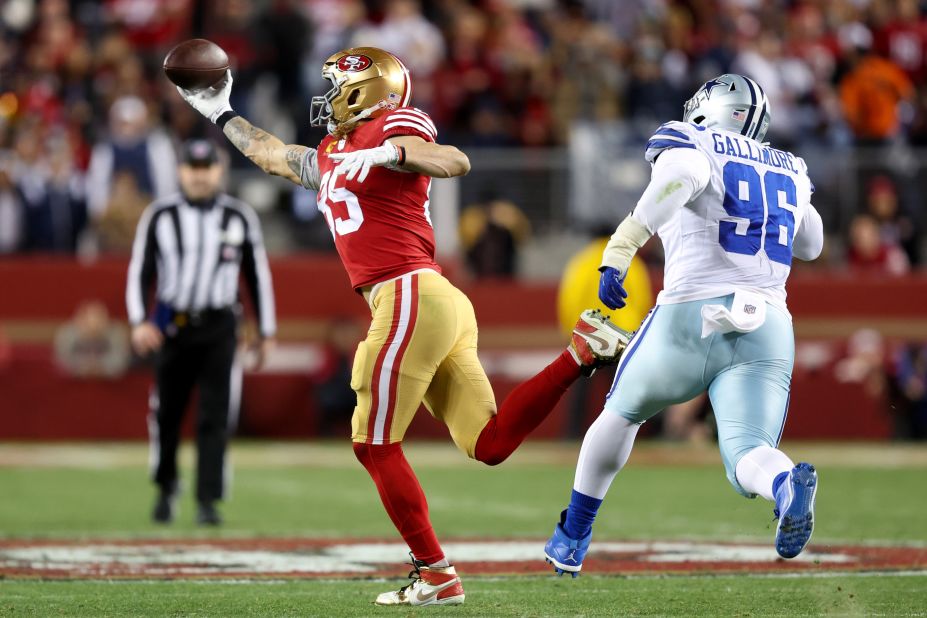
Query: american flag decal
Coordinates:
[739,115]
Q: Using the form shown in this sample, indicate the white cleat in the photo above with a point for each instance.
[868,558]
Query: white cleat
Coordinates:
[596,341]
[430,586]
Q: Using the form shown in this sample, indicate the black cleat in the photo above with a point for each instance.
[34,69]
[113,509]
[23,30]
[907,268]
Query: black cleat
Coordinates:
[163,512]
[207,515]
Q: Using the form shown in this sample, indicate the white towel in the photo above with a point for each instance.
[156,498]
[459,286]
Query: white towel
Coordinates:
[747,313]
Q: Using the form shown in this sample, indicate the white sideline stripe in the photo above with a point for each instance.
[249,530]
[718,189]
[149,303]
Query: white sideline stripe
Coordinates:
[411,124]
[418,114]
[386,370]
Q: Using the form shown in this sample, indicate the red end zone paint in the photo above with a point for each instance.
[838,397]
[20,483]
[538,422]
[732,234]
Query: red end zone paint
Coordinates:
[276,558]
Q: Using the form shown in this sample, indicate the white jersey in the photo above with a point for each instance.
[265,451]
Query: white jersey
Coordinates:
[737,232]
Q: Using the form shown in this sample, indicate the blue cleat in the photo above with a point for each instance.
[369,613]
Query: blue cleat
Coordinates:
[564,553]
[795,510]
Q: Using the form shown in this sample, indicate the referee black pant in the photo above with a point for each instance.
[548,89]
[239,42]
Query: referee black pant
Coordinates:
[202,353]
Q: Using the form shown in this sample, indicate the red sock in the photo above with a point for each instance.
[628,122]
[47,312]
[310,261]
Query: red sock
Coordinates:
[402,496]
[524,409]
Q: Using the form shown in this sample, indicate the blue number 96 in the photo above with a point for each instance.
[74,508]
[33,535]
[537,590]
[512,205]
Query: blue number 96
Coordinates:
[765,209]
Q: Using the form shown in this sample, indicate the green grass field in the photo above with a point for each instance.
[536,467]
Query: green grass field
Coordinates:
[586,596]
[869,495]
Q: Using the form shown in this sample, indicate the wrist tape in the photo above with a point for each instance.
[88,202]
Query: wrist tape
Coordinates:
[624,243]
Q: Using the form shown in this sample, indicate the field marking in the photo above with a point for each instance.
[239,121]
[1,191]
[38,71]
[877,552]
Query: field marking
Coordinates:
[289,558]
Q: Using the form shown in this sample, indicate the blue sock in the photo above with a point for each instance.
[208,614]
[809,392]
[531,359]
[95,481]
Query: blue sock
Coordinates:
[580,515]
[777,483]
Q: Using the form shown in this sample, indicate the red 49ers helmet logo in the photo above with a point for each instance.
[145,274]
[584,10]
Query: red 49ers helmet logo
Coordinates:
[353,63]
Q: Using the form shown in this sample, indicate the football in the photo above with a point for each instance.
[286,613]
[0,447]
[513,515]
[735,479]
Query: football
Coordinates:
[196,64]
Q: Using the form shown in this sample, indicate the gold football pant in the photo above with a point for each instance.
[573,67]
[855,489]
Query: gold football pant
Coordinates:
[421,347]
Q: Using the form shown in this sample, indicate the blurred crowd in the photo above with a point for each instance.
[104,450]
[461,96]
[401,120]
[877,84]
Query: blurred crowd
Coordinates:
[88,123]
[894,374]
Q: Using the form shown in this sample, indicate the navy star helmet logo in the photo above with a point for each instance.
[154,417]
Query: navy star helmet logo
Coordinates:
[710,85]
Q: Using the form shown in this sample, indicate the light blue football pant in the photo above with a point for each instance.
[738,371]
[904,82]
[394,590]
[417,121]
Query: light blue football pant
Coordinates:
[747,375]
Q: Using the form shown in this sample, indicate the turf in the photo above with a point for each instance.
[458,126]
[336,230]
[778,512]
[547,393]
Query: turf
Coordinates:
[536,596]
[67,492]
[337,499]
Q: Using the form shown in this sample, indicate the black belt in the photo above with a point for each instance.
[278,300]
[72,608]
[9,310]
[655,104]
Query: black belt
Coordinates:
[197,318]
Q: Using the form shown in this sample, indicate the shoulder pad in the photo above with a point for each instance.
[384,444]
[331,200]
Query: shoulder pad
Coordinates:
[673,134]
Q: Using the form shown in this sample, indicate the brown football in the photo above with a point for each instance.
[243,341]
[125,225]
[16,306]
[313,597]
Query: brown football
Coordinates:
[196,64]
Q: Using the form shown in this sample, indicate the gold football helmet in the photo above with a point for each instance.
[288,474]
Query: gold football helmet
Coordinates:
[366,82]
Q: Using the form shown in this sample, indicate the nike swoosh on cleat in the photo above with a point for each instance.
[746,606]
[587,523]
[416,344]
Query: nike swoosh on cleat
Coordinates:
[419,597]
[602,342]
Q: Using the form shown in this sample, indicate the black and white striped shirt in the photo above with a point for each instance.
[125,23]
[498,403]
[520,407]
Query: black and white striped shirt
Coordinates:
[196,252]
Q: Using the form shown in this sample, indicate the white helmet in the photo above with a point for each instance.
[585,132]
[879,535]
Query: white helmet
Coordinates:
[732,102]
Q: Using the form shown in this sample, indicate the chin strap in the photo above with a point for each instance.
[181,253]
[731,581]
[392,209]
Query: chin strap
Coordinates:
[347,125]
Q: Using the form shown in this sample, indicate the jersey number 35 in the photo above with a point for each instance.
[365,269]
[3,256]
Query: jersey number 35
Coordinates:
[330,195]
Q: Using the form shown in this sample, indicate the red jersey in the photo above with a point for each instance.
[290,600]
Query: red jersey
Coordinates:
[382,227]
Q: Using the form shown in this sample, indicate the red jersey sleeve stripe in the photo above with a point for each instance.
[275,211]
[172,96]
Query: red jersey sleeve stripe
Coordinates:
[412,124]
[424,126]
[409,115]
[417,113]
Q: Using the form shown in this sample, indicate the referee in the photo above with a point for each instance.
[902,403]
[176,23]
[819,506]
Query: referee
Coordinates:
[195,242]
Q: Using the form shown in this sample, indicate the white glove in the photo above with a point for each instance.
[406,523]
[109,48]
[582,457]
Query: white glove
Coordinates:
[212,102]
[362,160]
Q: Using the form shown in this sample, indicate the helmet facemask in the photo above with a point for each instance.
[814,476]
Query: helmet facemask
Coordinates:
[320,108]
[691,106]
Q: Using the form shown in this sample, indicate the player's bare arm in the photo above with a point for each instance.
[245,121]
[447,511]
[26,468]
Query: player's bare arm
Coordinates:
[431,159]
[266,150]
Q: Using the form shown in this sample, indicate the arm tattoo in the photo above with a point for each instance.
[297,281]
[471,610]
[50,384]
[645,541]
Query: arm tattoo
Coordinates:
[294,159]
[243,134]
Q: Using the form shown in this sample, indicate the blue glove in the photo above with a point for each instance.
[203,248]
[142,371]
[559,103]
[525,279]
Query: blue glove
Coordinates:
[611,288]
